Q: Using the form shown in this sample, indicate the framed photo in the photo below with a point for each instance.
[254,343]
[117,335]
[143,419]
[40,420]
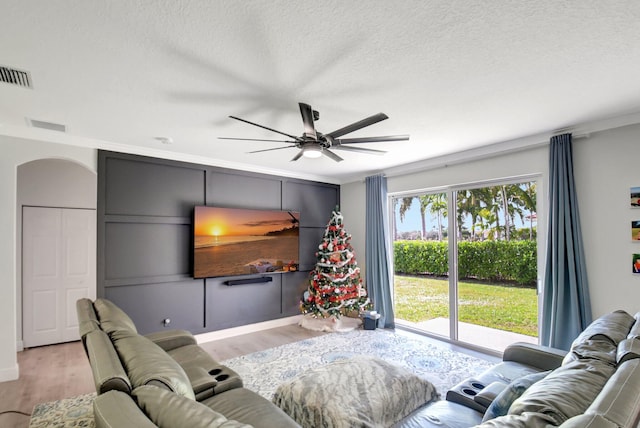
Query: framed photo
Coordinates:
[635,231]
[635,197]
[635,264]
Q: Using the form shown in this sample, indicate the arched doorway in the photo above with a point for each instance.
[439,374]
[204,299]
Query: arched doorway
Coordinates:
[56,202]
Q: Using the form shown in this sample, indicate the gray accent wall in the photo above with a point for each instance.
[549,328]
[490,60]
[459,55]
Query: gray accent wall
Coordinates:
[145,214]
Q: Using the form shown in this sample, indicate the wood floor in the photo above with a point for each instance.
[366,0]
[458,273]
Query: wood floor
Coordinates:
[49,373]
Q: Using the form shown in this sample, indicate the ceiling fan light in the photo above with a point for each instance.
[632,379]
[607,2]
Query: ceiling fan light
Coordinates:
[312,152]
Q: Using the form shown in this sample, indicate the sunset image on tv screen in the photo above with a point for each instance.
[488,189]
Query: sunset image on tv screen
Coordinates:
[232,241]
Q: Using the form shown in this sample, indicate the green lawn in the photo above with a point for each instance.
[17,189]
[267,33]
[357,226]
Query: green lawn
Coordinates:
[506,308]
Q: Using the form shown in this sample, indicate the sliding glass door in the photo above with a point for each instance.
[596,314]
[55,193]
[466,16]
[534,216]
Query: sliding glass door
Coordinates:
[421,262]
[470,276]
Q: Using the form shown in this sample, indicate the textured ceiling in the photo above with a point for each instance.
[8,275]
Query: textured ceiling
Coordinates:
[455,75]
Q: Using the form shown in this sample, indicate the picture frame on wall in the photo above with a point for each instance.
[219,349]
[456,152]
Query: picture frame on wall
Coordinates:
[635,197]
[635,231]
[635,264]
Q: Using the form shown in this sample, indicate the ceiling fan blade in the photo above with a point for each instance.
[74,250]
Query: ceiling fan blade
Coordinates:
[298,156]
[330,154]
[265,127]
[307,118]
[268,150]
[371,139]
[359,150]
[255,139]
[358,125]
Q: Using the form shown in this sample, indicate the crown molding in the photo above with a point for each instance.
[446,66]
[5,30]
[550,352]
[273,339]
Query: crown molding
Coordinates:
[583,130]
[90,143]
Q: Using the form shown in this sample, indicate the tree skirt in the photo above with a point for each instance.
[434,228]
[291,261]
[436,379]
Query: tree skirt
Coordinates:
[331,324]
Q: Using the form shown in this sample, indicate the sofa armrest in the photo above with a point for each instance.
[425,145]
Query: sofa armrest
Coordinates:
[202,382]
[108,372]
[171,339]
[486,396]
[117,409]
[541,357]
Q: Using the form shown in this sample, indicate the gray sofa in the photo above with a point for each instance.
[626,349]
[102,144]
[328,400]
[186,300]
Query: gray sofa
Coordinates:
[163,379]
[596,384]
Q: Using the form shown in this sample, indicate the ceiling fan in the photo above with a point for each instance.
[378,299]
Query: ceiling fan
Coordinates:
[314,144]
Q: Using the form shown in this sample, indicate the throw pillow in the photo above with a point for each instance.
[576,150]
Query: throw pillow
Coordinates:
[500,406]
[355,392]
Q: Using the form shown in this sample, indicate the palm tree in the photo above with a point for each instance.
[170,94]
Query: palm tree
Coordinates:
[505,207]
[488,217]
[470,202]
[405,204]
[526,196]
[437,204]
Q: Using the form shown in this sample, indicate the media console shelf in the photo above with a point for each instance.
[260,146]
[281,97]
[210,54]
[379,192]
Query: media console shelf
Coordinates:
[248,280]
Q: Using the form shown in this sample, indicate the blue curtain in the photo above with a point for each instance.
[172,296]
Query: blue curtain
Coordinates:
[566,303]
[377,253]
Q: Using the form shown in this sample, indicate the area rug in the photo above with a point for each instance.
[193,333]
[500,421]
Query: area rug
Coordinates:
[65,413]
[263,371]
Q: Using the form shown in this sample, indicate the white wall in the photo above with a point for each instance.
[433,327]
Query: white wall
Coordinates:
[605,168]
[16,151]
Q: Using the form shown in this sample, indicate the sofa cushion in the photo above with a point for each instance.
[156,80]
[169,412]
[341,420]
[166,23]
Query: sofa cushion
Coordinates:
[147,364]
[566,392]
[500,406]
[112,318]
[602,350]
[612,327]
[116,409]
[619,400]
[441,414]
[169,410]
[246,406]
[524,420]
[628,349]
[635,328]
[589,421]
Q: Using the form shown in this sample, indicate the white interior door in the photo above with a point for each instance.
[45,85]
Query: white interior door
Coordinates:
[58,268]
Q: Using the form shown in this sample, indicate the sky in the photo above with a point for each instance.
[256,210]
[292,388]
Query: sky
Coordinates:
[215,221]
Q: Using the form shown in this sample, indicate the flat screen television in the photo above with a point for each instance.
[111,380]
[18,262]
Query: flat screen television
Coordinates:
[236,241]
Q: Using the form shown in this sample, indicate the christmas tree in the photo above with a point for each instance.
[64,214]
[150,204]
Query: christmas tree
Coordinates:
[335,285]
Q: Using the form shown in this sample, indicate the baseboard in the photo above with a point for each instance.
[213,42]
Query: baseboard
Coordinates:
[9,373]
[250,328]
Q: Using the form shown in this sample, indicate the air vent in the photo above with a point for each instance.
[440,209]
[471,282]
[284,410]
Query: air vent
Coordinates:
[15,77]
[47,125]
